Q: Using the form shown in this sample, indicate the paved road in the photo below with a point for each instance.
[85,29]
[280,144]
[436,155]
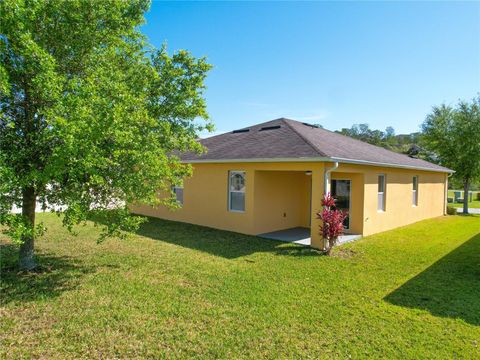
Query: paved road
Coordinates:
[470,211]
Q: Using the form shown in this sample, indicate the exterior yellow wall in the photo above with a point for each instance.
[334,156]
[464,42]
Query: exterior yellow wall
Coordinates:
[399,210]
[205,200]
[205,197]
[273,189]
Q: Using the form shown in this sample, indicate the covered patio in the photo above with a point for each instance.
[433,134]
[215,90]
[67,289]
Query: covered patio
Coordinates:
[282,200]
[285,209]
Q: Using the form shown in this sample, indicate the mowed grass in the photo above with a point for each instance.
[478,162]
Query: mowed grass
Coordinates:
[471,205]
[178,291]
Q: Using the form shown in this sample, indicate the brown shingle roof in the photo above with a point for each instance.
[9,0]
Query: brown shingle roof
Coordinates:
[289,139]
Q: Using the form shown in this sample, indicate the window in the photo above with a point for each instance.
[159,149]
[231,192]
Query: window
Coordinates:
[236,191]
[381,193]
[415,191]
[178,191]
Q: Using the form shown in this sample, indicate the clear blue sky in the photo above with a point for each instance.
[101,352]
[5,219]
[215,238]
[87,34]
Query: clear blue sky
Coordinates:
[336,64]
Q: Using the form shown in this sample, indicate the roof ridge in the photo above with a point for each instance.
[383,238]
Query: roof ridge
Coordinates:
[303,137]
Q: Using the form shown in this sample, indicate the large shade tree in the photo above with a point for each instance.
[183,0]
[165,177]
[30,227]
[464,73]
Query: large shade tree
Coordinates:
[453,135]
[90,114]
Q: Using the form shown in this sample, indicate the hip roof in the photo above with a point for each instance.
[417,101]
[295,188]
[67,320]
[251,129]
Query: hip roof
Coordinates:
[289,140]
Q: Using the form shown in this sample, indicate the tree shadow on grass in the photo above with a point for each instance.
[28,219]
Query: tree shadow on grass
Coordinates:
[53,276]
[449,288]
[225,244]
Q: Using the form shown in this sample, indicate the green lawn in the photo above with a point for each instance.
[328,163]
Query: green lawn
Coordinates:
[179,291]
[475,204]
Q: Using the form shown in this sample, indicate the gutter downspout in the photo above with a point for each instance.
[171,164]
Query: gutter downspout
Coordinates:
[327,176]
[446,195]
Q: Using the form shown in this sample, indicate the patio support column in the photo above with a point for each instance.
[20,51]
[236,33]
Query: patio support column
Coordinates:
[317,193]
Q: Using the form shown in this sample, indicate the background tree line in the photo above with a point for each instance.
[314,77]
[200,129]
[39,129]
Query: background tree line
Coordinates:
[409,144]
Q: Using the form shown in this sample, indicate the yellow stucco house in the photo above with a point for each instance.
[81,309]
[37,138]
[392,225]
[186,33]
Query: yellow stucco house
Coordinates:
[272,176]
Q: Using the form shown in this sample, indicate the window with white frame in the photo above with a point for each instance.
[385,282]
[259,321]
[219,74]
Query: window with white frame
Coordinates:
[381,192]
[178,191]
[415,191]
[236,191]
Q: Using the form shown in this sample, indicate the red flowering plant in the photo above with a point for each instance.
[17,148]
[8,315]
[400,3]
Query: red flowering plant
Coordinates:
[332,222]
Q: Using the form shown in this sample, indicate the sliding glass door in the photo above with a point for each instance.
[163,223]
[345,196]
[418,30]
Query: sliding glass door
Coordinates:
[341,191]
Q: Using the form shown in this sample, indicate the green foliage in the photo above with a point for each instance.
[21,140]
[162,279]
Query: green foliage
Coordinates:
[452,134]
[18,229]
[456,183]
[402,143]
[364,133]
[90,114]
[451,210]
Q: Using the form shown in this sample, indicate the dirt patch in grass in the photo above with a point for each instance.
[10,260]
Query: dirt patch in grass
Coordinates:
[344,253]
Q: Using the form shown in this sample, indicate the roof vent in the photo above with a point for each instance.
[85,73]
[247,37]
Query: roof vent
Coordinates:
[240,131]
[311,125]
[270,128]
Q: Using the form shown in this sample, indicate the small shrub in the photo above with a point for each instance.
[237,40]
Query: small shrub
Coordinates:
[478,196]
[451,210]
[332,222]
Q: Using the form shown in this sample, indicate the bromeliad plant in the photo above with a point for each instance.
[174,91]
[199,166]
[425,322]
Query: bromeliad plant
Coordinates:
[332,222]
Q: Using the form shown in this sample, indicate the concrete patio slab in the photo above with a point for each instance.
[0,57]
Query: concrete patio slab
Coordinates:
[298,235]
[348,238]
[301,236]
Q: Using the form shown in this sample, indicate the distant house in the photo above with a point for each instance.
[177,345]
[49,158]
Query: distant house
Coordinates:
[272,176]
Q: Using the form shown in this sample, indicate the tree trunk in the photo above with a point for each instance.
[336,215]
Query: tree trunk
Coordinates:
[466,187]
[26,258]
